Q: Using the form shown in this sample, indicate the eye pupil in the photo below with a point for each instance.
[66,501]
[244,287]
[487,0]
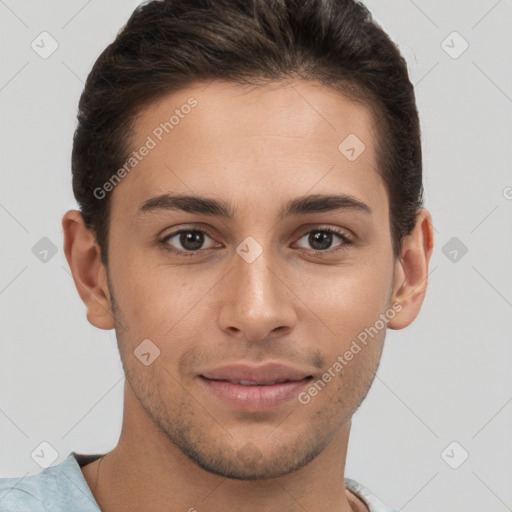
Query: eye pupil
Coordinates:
[322,237]
[192,240]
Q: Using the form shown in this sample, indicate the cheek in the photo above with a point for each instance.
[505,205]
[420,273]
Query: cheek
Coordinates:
[348,299]
[160,301]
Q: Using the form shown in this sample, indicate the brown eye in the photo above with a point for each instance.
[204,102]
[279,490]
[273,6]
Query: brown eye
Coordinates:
[185,241]
[321,240]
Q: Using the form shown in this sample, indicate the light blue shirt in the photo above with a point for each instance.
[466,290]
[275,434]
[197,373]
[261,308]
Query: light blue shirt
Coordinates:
[63,488]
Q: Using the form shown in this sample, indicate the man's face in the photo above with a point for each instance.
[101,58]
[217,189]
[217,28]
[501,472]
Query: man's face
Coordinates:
[256,149]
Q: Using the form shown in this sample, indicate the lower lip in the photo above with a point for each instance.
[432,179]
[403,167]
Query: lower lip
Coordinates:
[255,398]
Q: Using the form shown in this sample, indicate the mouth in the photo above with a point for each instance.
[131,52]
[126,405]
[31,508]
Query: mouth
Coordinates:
[254,395]
[256,383]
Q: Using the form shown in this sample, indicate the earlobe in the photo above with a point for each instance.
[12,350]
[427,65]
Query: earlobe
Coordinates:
[89,273]
[411,271]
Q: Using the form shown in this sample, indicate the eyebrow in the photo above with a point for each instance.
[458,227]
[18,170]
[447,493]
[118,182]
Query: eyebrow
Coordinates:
[208,206]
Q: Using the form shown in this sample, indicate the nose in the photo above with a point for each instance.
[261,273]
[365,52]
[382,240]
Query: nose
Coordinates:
[257,301]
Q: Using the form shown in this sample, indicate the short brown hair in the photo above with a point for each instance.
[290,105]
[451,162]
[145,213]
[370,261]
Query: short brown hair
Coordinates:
[169,44]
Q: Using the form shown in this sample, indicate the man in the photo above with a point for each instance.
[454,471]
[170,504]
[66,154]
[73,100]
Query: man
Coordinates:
[251,222]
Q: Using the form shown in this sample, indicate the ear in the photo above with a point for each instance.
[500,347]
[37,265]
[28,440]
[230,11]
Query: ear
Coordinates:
[89,273]
[411,271]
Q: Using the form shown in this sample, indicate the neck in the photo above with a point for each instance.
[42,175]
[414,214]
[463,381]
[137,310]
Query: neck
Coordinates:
[146,472]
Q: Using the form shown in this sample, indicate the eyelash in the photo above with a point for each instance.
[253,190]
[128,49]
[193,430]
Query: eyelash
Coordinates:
[346,242]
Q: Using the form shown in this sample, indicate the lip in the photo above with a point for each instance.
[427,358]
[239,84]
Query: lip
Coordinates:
[223,383]
[263,374]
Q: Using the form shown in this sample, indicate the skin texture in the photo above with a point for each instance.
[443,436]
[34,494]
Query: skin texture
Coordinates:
[256,148]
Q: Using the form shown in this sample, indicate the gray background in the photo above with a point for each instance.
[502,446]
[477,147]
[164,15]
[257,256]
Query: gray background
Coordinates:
[446,378]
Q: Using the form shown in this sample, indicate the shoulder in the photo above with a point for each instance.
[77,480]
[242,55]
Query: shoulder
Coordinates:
[28,493]
[51,490]
[373,503]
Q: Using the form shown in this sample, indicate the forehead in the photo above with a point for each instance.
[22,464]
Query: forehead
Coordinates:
[278,141]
